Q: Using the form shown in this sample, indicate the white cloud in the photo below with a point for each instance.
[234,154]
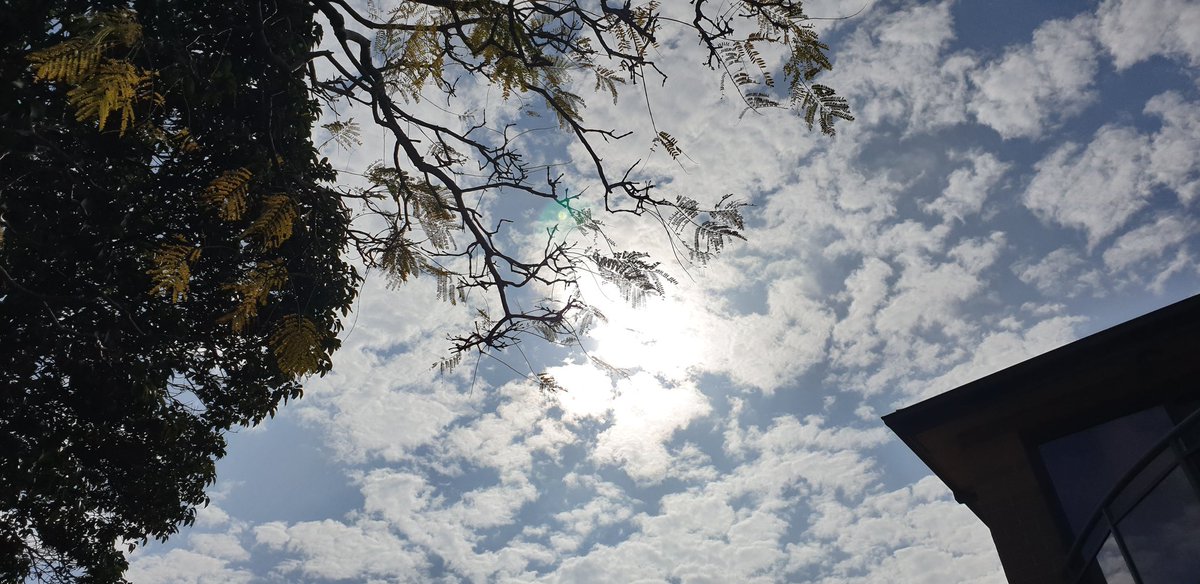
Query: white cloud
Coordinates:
[968,187]
[179,566]
[1182,263]
[646,414]
[1148,241]
[854,336]
[1034,86]
[383,399]
[997,350]
[929,294]
[225,546]
[210,516]
[388,422]
[1097,188]
[1175,148]
[914,534]
[894,70]
[507,438]
[1062,272]
[733,528]
[609,506]
[786,341]
[451,525]
[1100,187]
[453,529]
[1136,30]
[332,550]
[832,209]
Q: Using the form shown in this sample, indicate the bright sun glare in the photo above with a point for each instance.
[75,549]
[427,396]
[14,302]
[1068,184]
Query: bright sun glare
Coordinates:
[662,337]
[655,344]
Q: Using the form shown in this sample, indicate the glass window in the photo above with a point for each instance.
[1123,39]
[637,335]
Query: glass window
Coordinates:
[1112,564]
[1162,533]
[1138,486]
[1085,466]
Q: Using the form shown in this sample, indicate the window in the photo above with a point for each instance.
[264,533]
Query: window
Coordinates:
[1135,472]
[1085,466]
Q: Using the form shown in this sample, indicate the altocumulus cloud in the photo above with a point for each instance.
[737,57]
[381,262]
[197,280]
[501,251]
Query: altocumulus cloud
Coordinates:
[1006,189]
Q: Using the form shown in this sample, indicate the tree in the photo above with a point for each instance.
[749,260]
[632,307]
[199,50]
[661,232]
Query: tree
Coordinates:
[172,248]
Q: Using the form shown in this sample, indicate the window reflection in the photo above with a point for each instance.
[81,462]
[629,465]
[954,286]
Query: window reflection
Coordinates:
[1112,564]
[1162,533]
[1138,476]
[1084,466]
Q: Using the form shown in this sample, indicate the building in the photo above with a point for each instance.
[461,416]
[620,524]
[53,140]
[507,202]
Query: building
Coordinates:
[1083,462]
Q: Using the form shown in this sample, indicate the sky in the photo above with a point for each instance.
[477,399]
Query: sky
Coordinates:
[1021,174]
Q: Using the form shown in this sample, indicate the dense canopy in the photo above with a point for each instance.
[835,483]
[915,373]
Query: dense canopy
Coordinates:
[172,253]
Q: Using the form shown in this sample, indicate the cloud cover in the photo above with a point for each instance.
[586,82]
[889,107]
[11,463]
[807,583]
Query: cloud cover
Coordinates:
[988,205]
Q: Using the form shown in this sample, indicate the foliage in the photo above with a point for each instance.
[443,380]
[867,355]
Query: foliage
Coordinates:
[543,52]
[170,267]
[171,247]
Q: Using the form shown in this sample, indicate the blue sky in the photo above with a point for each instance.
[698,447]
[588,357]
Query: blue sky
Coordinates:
[1021,174]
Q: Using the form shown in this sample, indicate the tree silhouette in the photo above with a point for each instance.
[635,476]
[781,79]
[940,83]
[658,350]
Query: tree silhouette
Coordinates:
[172,246]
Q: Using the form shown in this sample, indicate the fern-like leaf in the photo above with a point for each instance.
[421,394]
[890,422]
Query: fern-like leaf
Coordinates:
[433,213]
[101,86]
[112,88]
[669,143]
[274,225]
[728,211]
[548,384]
[547,331]
[67,62]
[612,371]
[253,291]
[448,364]
[171,269]
[708,236]
[587,224]
[184,141]
[820,104]
[709,239]
[607,79]
[400,260]
[445,284]
[588,317]
[634,277]
[227,194]
[344,134]
[296,344]
[685,213]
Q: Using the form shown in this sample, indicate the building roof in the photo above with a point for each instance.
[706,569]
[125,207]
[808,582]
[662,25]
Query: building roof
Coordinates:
[982,438]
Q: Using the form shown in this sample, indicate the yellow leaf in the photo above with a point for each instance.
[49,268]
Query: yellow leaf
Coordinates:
[227,193]
[274,225]
[253,291]
[171,269]
[296,343]
[100,86]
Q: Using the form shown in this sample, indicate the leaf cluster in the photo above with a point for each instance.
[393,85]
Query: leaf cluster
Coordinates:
[782,25]
[710,229]
[172,246]
[99,85]
[171,264]
[439,178]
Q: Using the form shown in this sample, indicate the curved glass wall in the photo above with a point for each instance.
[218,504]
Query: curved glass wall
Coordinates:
[1144,526]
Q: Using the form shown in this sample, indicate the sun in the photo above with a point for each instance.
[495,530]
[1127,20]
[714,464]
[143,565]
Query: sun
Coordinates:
[664,336]
[658,346]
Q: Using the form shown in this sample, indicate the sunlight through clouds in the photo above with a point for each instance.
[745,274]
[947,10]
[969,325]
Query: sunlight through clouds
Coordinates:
[666,336]
[1009,186]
